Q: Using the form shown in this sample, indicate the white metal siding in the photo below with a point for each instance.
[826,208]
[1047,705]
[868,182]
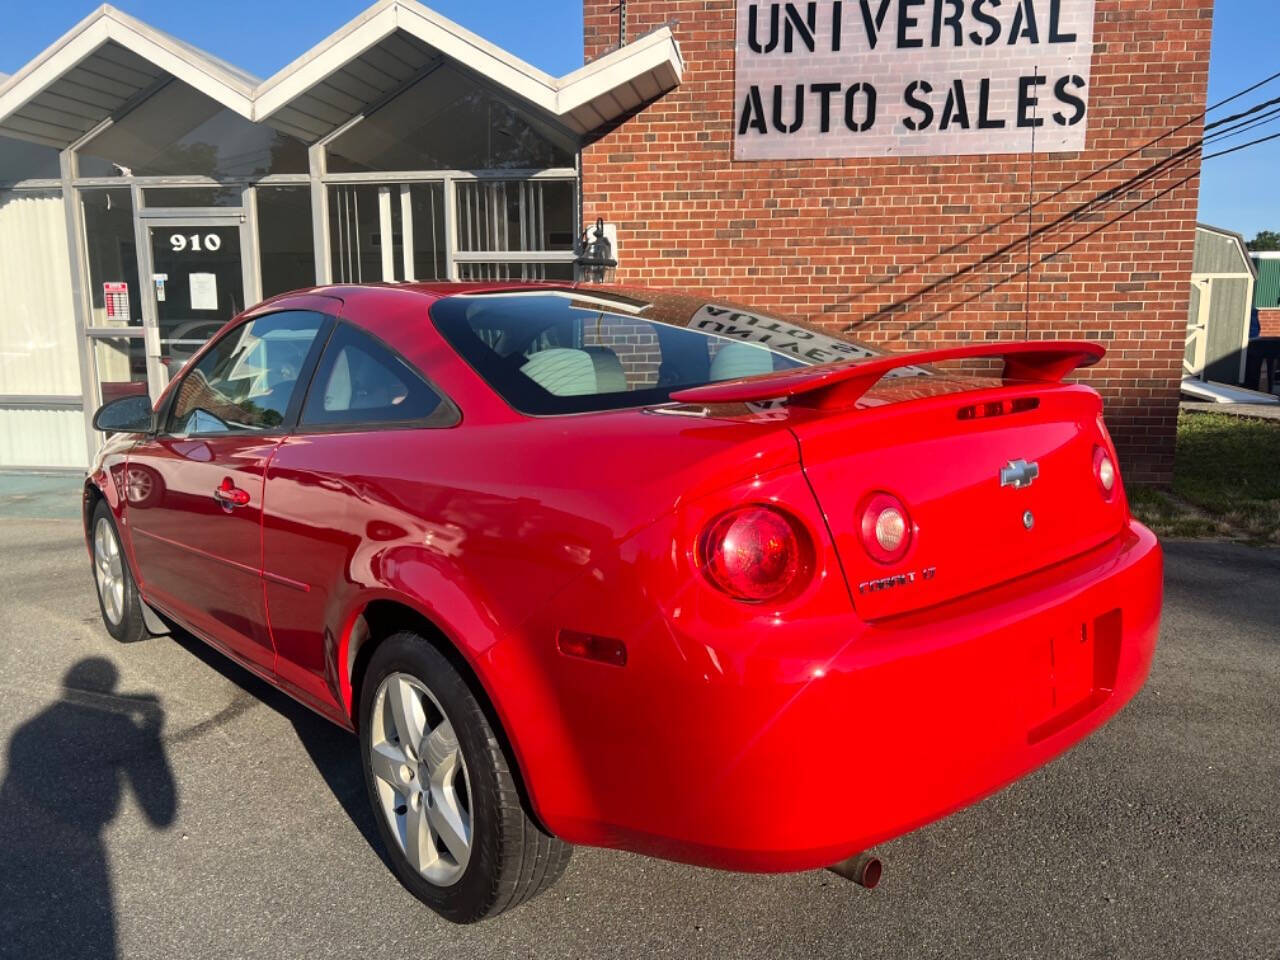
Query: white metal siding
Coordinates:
[37,317]
[38,350]
[42,438]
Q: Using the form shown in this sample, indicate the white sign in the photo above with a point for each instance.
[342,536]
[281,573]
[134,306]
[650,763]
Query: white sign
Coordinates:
[871,78]
[204,291]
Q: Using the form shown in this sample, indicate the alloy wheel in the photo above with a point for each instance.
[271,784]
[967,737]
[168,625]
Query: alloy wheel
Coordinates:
[421,779]
[108,567]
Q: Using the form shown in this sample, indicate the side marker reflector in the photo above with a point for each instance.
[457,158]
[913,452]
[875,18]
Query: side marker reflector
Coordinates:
[587,646]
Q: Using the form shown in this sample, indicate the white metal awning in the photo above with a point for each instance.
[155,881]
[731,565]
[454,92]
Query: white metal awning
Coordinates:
[109,59]
[100,65]
[386,46]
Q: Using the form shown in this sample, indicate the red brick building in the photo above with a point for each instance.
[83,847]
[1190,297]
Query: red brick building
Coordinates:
[913,251]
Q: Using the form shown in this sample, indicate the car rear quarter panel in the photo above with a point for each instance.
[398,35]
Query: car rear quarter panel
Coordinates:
[482,528]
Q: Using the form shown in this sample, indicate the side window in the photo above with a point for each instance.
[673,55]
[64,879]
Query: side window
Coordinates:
[244,384]
[361,382]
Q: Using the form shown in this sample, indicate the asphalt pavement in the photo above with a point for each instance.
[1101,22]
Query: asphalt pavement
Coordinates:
[158,801]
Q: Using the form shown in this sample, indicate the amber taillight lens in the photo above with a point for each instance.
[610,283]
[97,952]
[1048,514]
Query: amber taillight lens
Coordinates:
[885,527]
[755,553]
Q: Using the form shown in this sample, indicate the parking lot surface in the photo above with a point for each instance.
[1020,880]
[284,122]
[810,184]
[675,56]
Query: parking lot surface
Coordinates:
[158,801]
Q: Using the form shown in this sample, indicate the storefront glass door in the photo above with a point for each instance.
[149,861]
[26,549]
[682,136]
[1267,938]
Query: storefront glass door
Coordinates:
[196,284]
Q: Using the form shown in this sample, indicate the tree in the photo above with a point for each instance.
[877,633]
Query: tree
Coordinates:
[1265,240]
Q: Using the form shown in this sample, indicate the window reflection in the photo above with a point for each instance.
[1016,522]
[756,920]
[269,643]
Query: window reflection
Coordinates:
[180,131]
[285,240]
[114,295]
[20,160]
[245,382]
[483,132]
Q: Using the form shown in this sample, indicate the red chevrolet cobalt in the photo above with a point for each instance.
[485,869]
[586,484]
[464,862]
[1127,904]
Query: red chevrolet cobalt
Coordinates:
[638,570]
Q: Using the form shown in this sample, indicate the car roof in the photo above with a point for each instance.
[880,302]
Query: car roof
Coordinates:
[439,289]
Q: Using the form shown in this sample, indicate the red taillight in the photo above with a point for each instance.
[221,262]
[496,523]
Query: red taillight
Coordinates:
[1104,471]
[885,527]
[754,553]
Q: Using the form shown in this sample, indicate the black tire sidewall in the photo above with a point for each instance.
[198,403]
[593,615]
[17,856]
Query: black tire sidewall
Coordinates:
[471,897]
[132,626]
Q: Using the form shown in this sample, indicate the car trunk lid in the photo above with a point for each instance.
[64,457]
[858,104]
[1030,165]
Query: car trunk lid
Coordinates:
[991,497]
[996,474]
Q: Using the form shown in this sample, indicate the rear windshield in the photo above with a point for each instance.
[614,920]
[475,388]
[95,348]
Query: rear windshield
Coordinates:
[562,351]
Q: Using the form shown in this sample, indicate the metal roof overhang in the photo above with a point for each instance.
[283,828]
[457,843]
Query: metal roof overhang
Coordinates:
[109,60]
[97,68]
[393,41]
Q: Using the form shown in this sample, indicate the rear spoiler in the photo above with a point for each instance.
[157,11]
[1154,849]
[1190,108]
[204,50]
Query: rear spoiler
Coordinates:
[830,386]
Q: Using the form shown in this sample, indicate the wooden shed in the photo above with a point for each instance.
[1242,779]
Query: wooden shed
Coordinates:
[1222,280]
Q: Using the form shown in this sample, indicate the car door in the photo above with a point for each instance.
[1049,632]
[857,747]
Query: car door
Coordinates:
[194,497]
[338,503]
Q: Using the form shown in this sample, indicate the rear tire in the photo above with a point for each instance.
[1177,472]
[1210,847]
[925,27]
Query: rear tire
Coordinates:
[118,598]
[444,796]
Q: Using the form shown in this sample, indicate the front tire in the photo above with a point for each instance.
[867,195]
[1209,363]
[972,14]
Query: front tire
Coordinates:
[118,598]
[444,796]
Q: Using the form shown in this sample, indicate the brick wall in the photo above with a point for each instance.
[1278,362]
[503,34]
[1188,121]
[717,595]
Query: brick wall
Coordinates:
[1269,321]
[873,246]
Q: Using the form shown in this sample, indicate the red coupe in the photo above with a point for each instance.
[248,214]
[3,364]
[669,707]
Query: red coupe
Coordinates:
[639,570]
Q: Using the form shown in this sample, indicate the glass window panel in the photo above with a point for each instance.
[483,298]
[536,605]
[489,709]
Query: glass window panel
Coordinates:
[20,160]
[561,352]
[285,240]
[355,233]
[113,258]
[181,131]
[202,287]
[495,215]
[361,382]
[448,121]
[515,270]
[192,197]
[244,384]
[121,365]
[427,207]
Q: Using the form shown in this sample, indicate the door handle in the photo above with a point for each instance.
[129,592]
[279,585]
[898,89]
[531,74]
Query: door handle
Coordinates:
[229,495]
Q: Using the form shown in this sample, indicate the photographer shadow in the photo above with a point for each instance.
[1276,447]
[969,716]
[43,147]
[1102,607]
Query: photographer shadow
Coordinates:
[68,768]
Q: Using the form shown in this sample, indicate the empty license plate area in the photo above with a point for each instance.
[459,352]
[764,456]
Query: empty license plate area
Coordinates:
[1073,671]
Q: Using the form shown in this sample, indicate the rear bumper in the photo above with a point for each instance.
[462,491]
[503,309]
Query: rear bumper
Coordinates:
[795,765]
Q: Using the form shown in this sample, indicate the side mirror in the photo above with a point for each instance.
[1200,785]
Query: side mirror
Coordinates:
[131,414]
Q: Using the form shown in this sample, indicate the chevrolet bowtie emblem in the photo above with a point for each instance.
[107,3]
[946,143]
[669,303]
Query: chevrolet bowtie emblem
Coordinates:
[1019,473]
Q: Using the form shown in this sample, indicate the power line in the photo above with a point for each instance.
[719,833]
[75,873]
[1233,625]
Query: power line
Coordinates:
[1243,113]
[1076,213]
[1056,252]
[1118,192]
[1260,121]
[1243,146]
[1104,197]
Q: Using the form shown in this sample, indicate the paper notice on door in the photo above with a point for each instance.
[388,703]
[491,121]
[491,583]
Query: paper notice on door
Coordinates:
[204,291]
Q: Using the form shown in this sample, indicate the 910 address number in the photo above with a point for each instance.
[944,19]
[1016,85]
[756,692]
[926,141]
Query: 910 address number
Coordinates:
[180,242]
